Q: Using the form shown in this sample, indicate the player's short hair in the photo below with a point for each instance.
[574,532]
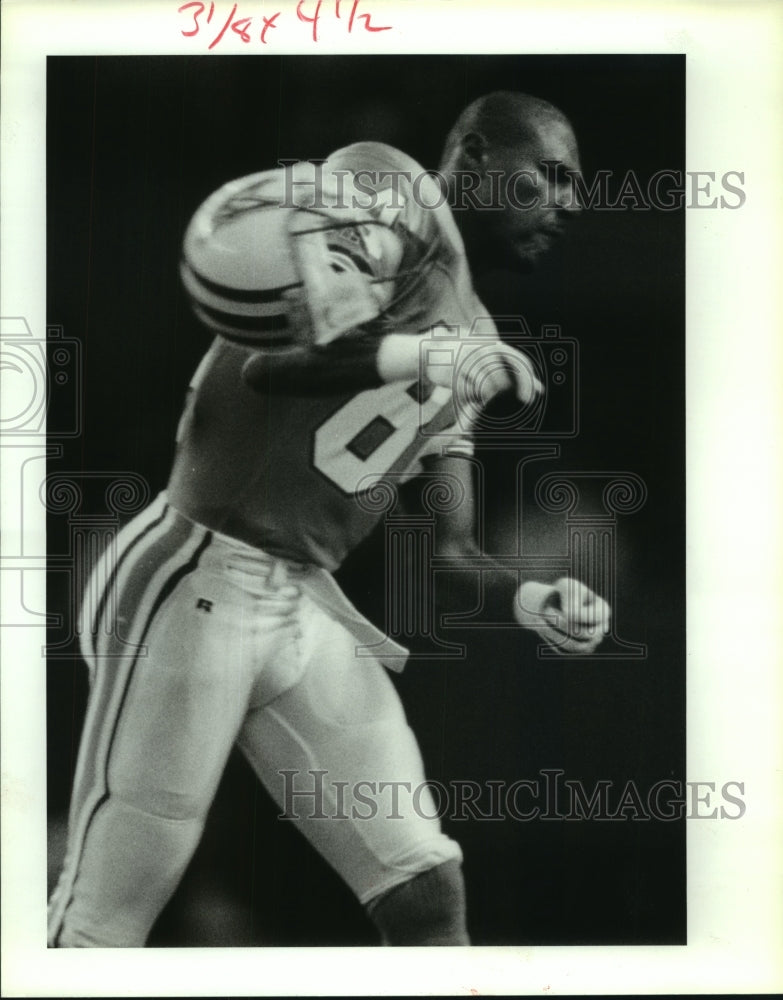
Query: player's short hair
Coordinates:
[503,118]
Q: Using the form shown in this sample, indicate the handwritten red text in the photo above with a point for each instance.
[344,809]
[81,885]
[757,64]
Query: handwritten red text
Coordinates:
[204,17]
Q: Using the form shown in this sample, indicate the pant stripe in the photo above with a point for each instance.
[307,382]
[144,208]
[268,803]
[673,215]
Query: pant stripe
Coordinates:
[116,678]
[131,536]
[122,556]
[162,552]
[165,592]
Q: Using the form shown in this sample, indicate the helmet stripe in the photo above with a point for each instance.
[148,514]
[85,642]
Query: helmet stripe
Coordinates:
[252,324]
[249,295]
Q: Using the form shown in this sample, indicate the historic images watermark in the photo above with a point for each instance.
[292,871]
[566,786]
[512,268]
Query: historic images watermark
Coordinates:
[549,795]
[551,185]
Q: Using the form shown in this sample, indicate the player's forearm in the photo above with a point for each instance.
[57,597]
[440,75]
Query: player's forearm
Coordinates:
[567,614]
[499,585]
[349,364]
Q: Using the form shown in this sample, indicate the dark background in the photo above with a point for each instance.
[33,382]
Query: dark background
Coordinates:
[133,146]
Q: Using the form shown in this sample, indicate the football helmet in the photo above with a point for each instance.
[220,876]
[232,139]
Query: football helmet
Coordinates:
[270,274]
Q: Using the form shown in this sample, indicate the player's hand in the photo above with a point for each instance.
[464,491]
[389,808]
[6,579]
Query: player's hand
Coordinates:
[482,370]
[568,615]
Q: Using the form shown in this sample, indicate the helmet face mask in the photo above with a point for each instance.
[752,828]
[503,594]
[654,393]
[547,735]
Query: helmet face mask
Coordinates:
[348,271]
[273,277]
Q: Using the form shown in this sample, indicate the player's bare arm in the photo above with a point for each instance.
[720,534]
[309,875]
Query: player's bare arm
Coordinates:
[567,614]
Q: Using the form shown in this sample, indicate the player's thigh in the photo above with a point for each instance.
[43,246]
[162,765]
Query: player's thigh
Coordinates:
[185,702]
[337,754]
[169,691]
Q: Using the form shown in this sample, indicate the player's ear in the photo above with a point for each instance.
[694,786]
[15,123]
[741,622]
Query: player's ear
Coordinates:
[473,151]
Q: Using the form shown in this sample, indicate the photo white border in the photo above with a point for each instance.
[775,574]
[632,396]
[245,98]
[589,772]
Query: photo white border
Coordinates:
[734,419]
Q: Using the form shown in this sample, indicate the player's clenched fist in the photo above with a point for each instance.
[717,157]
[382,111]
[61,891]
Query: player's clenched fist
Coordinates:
[568,615]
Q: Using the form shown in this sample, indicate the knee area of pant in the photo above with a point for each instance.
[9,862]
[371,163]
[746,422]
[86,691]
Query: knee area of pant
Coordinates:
[429,909]
[169,807]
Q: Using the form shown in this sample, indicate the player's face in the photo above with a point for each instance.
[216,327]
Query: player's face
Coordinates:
[534,191]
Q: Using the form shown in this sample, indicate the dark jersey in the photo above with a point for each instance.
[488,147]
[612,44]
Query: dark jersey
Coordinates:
[298,476]
[302,476]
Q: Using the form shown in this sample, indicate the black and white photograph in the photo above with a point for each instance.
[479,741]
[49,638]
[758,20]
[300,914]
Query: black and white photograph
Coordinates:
[550,719]
[360,432]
